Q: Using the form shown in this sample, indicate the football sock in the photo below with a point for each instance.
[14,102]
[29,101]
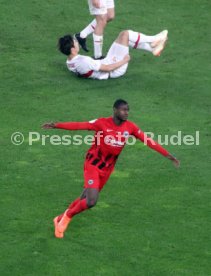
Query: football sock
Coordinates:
[70,206]
[89,29]
[136,38]
[79,207]
[98,45]
[145,46]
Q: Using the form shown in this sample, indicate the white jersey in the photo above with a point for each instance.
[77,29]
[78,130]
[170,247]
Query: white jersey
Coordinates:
[86,67]
[89,68]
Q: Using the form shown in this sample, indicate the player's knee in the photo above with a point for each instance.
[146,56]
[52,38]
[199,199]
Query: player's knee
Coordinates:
[102,21]
[110,17]
[91,202]
[124,35]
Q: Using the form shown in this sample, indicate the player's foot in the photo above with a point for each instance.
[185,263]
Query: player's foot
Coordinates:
[102,57]
[64,222]
[160,43]
[57,234]
[82,42]
[162,36]
[158,49]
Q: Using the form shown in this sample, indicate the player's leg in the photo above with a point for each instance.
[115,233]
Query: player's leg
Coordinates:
[102,18]
[154,44]
[98,35]
[110,10]
[90,28]
[59,230]
[72,204]
[91,201]
[81,37]
[136,40]
[118,50]
[97,28]
[61,223]
[91,195]
[88,199]
[100,14]
[110,14]
[97,12]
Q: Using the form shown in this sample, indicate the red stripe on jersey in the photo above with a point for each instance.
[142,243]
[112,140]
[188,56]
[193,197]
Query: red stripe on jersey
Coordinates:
[87,75]
[137,41]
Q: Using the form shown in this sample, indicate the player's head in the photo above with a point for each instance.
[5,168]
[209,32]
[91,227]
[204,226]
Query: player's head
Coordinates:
[68,45]
[121,109]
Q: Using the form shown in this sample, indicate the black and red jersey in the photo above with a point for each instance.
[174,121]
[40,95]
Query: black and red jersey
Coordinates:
[110,139]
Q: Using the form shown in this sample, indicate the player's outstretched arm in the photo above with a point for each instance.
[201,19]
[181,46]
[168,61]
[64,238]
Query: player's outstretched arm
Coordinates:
[155,146]
[114,66]
[72,125]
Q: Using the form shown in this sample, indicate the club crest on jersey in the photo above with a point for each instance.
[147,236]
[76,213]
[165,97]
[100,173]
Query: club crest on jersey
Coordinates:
[126,134]
[92,121]
[90,181]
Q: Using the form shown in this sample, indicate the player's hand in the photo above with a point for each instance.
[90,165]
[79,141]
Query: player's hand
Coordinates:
[96,3]
[175,161]
[126,58]
[49,125]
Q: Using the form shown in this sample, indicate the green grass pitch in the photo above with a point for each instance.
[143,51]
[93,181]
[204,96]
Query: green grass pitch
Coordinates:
[151,219]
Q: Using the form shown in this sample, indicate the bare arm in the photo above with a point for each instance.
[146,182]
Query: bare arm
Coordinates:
[116,65]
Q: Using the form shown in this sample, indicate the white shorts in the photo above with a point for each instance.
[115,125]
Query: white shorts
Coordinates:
[116,53]
[104,5]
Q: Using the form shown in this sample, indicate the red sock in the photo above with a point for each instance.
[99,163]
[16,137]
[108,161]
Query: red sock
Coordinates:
[78,208]
[70,207]
[74,203]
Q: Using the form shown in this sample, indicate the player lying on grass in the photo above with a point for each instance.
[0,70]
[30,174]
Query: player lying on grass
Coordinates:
[115,63]
[112,134]
[104,12]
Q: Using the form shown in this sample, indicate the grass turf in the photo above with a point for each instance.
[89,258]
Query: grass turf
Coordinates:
[151,219]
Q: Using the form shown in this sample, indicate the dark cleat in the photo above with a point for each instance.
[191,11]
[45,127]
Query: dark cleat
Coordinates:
[82,42]
[102,57]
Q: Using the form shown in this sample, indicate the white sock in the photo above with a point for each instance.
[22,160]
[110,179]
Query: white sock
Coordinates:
[145,46]
[136,38]
[89,29]
[98,45]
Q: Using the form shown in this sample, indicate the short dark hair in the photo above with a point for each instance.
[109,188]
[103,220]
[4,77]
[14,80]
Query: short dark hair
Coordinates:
[119,102]
[65,44]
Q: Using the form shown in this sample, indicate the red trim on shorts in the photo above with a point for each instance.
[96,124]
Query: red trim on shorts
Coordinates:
[93,27]
[137,41]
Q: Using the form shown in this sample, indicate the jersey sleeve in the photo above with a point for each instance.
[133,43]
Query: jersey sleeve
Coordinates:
[94,64]
[91,125]
[139,134]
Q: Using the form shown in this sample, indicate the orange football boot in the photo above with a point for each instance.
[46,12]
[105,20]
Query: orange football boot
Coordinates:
[64,222]
[57,233]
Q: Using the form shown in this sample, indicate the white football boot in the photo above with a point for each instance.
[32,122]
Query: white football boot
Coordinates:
[160,43]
